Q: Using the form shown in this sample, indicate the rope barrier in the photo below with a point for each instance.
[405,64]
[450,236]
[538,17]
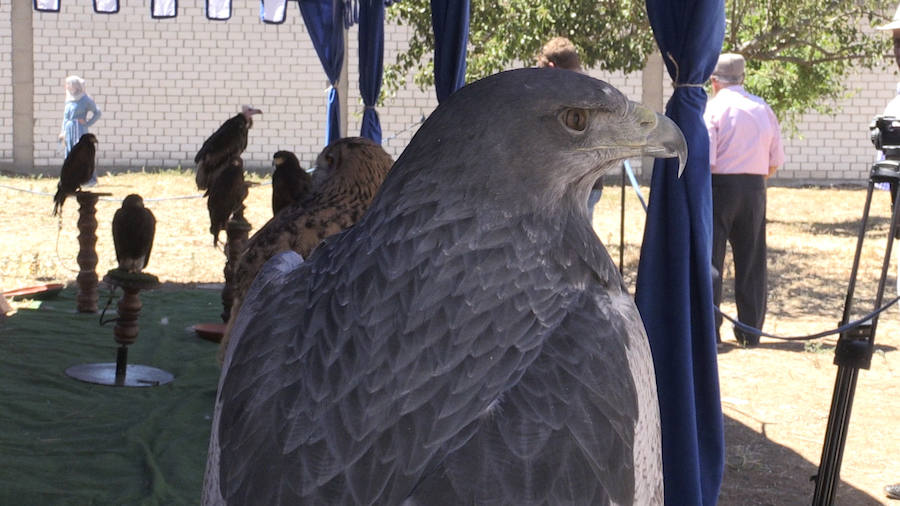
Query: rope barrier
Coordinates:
[843,328]
[112,199]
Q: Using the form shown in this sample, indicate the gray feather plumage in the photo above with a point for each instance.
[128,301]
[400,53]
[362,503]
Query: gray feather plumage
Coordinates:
[469,341]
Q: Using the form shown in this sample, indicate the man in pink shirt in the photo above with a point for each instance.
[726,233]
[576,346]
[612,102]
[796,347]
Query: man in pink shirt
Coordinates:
[744,150]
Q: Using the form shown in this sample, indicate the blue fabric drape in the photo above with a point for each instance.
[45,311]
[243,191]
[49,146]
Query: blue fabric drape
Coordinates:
[450,21]
[371,57]
[325,23]
[674,284]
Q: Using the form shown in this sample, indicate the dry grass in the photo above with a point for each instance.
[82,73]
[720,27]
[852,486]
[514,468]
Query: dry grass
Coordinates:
[182,252]
[776,397]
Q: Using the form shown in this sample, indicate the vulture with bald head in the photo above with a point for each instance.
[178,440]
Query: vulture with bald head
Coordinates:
[290,181]
[77,169]
[229,141]
[469,340]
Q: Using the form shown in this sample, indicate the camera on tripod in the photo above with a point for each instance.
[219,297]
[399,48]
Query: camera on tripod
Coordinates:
[885,134]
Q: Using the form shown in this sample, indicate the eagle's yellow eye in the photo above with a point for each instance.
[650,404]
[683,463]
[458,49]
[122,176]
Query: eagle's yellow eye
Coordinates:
[576,119]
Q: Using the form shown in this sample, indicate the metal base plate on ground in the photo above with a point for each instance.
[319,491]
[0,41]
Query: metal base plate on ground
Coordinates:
[105,374]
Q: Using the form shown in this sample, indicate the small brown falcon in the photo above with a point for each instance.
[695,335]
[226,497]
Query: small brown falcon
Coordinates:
[77,169]
[229,141]
[133,228]
[290,182]
[225,196]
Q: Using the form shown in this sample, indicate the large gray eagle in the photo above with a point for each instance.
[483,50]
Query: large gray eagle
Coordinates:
[469,340]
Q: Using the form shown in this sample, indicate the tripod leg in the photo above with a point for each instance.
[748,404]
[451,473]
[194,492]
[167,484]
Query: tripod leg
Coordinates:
[853,351]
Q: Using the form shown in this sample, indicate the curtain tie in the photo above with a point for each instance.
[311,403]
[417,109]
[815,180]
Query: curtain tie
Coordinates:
[675,82]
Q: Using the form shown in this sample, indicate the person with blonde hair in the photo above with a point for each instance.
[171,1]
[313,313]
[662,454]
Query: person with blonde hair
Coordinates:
[75,122]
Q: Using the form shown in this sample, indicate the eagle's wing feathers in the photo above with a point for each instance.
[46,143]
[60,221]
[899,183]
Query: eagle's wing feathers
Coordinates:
[341,364]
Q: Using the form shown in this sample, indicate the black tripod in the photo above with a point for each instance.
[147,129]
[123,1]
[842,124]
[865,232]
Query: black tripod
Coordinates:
[855,346]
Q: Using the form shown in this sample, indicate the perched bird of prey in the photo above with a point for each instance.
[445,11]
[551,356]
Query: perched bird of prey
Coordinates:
[133,228]
[347,175]
[345,179]
[469,340]
[77,169]
[225,196]
[229,141]
[290,182]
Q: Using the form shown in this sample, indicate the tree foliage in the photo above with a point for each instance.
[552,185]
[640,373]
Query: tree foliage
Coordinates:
[609,34]
[799,52]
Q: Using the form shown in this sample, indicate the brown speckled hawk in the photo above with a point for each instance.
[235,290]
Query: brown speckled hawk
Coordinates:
[347,175]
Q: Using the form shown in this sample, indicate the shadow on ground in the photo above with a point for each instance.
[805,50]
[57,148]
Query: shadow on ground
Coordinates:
[760,472]
[877,226]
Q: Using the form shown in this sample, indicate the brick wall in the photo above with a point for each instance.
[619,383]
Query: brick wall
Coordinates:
[6,140]
[837,147]
[165,85]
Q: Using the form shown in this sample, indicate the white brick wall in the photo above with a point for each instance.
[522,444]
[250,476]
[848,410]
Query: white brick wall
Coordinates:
[165,85]
[6,140]
[837,147]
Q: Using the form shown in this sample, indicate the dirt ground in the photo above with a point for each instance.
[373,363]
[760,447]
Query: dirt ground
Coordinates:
[775,398]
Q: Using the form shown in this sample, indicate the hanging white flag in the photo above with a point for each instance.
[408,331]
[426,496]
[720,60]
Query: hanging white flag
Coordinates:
[106,6]
[46,5]
[163,8]
[218,9]
[273,11]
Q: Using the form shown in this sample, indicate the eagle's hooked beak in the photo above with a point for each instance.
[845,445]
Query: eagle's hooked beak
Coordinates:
[666,139]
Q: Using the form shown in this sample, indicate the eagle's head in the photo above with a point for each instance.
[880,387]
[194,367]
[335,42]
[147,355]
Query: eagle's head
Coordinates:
[538,136]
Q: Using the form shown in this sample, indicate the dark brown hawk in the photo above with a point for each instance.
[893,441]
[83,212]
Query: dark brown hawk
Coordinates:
[229,141]
[77,169]
[290,181]
[133,228]
[225,196]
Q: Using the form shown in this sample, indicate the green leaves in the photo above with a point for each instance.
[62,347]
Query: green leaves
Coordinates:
[799,52]
[610,34]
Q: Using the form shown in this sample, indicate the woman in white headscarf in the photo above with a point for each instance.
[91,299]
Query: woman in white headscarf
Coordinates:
[75,121]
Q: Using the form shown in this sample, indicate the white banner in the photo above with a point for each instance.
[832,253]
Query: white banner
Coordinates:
[273,11]
[163,8]
[47,5]
[218,9]
[106,6]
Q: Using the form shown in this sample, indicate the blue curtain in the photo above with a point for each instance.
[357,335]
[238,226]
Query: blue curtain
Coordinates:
[674,284]
[324,21]
[450,20]
[371,56]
